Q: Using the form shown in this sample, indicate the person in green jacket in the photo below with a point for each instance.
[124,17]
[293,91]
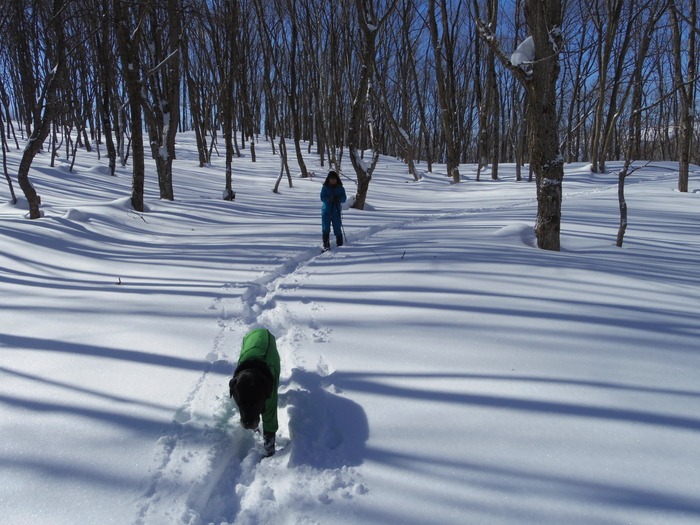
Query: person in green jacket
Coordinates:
[255,383]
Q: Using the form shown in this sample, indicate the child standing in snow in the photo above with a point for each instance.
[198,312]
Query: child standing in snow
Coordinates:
[332,196]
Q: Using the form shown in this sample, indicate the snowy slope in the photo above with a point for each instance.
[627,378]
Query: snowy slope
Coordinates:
[438,369]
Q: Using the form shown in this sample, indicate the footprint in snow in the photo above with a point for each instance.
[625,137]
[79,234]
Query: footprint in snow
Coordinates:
[322,335]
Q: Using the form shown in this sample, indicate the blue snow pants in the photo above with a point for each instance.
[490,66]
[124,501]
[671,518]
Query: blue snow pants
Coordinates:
[334,218]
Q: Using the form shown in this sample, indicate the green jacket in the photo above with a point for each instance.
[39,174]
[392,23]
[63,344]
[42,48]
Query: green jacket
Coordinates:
[260,344]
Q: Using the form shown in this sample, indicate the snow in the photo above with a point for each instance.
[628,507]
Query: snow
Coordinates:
[555,34]
[364,165]
[524,53]
[163,150]
[437,369]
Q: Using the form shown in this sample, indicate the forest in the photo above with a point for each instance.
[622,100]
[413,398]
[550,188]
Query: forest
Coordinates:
[427,81]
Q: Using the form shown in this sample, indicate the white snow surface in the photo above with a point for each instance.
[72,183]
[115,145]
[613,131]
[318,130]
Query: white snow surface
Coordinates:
[438,369]
[524,53]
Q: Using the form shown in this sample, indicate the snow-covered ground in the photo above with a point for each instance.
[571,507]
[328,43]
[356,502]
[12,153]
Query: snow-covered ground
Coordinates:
[438,369]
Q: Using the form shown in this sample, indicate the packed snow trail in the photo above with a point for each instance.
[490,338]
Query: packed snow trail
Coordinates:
[568,380]
[208,469]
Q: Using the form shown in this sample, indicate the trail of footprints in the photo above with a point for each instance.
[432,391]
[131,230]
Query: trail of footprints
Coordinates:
[207,468]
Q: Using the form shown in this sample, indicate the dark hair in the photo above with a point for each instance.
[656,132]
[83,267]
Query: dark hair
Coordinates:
[330,175]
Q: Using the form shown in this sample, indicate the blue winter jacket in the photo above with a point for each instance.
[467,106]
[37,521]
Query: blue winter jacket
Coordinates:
[326,193]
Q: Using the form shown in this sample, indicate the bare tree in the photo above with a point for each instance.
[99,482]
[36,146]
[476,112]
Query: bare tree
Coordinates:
[653,12]
[443,48]
[162,79]
[195,93]
[544,19]
[292,93]
[370,25]
[354,75]
[487,100]
[686,88]
[128,20]
[4,113]
[394,92]
[614,92]
[284,165]
[48,104]
[607,35]
[576,79]
[3,145]
[106,77]
[223,26]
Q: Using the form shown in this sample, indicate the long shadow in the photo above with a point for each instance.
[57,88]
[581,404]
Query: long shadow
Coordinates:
[353,383]
[514,378]
[87,391]
[105,247]
[327,431]
[652,264]
[141,425]
[347,295]
[13,342]
[62,471]
[511,480]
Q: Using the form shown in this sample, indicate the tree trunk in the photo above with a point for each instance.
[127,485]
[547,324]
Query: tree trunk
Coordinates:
[623,206]
[293,98]
[197,120]
[400,135]
[632,152]
[445,94]
[128,44]
[163,83]
[21,26]
[544,18]
[3,145]
[496,116]
[369,25]
[284,166]
[686,89]
[229,66]
[49,99]
[615,100]
[172,80]
[606,42]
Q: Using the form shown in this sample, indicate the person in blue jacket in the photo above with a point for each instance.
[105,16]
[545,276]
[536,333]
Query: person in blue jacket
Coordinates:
[333,196]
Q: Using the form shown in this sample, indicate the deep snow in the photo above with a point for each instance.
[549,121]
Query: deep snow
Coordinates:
[438,369]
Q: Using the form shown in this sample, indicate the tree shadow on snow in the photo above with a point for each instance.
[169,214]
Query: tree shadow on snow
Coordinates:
[327,431]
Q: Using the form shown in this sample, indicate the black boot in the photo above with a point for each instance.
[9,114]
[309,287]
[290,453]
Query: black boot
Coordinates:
[326,241]
[339,240]
[269,443]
